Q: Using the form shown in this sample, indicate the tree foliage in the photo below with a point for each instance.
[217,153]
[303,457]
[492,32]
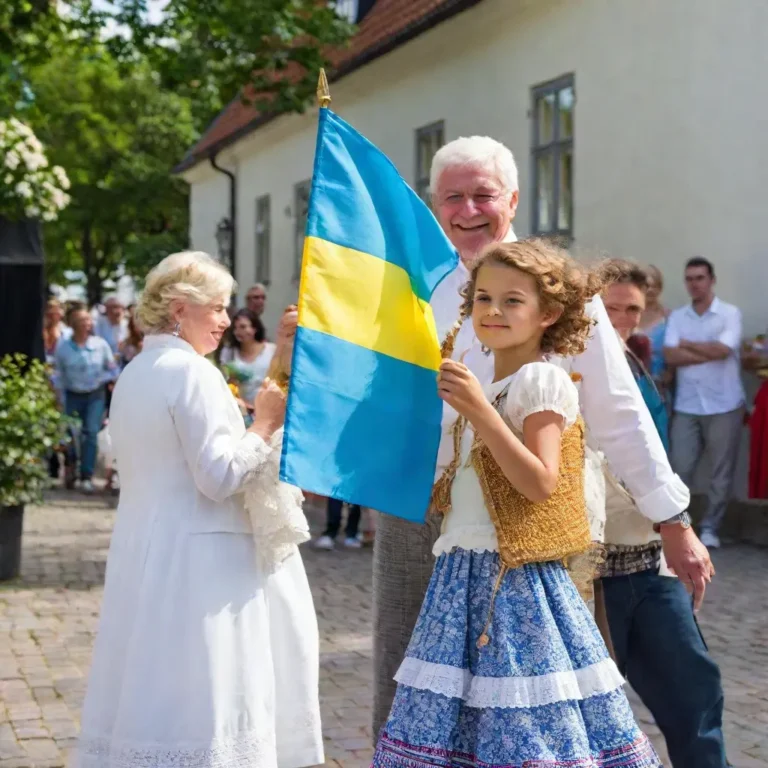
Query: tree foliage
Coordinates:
[118,138]
[268,52]
[118,95]
[29,31]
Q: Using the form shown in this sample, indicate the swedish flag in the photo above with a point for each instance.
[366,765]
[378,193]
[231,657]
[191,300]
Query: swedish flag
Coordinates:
[363,415]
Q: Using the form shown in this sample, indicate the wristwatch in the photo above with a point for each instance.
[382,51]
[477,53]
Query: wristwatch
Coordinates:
[683,520]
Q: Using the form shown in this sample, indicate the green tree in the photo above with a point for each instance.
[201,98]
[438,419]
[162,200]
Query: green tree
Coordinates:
[29,31]
[267,52]
[118,96]
[117,133]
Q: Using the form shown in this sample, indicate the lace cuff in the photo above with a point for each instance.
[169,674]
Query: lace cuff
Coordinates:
[251,454]
[275,510]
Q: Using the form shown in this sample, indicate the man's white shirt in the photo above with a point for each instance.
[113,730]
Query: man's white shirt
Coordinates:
[611,403]
[713,387]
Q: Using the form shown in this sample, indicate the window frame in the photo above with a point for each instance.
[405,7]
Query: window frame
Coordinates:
[554,148]
[299,231]
[263,251]
[420,182]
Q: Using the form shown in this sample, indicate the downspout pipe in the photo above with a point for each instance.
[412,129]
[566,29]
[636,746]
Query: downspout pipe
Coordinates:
[232,208]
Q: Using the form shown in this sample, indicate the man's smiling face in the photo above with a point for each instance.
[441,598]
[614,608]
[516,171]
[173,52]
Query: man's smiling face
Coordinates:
[473,207]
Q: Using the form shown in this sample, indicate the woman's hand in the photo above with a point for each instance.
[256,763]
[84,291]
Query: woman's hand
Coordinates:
[269,407]
[459,387]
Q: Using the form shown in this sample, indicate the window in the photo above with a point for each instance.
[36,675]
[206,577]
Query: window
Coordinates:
[552,158]
[301,208]
[262,239]
[347,9]
[428,140]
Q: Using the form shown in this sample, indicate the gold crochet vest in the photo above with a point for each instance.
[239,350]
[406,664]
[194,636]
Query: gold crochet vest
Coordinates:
[527,531]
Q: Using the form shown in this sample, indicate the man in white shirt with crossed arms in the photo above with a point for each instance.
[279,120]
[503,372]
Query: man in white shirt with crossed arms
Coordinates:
[702,343]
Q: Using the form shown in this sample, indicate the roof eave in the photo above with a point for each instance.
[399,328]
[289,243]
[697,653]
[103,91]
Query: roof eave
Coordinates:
[405,35]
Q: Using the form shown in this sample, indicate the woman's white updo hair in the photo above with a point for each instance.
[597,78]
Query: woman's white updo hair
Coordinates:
[191,276]
[476,151]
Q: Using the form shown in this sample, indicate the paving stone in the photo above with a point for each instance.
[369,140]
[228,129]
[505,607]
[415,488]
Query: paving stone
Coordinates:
[49,617]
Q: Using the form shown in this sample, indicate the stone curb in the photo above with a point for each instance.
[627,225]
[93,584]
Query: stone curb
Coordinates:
[746,520]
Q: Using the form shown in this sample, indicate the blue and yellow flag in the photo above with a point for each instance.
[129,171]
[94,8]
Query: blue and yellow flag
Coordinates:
[363,417]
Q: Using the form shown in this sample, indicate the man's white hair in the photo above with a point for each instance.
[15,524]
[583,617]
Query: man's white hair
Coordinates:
[476,151]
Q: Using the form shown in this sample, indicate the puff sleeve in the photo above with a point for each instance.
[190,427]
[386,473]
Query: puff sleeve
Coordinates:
[541,387]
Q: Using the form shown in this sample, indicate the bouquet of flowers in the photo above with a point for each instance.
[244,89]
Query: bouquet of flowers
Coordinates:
[235,375]
[29,187]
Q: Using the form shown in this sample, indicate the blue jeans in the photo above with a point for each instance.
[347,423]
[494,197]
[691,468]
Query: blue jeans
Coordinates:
[89,408]
[333,523]
[660,649]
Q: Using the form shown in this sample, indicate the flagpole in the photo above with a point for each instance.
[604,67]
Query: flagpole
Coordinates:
[278,369]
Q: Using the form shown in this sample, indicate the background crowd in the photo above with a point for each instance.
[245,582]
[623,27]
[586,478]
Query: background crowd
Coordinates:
[688,363]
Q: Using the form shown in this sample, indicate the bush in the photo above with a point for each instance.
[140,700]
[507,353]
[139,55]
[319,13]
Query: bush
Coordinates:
[31,425]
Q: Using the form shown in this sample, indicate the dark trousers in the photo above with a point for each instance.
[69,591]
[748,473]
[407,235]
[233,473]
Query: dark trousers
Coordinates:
[660,649]
[333,522]
[89,408]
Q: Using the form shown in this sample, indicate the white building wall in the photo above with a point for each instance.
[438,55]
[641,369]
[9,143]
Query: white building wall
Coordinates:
[670,137]
[671,131]
[209,203]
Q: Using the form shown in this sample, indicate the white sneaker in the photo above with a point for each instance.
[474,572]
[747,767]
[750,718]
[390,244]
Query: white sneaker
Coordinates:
[325,542]
[710,540]
[353,543]
[86,487]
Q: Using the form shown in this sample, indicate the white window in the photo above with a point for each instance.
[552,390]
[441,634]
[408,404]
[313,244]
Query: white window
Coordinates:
[262,240]
[552,156]
[301,209]
[428,140]
[347,9]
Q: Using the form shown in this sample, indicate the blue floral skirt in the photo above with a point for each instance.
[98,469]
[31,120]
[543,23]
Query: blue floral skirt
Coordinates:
[543,691]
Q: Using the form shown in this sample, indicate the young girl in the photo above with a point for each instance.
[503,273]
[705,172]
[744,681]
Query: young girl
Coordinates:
[506,666]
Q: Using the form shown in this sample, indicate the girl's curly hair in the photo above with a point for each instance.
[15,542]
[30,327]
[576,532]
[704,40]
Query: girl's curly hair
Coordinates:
[562,284]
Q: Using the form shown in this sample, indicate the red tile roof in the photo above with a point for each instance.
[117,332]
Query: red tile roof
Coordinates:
[389,24]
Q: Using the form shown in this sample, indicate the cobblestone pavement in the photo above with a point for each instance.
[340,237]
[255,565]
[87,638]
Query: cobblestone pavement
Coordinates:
[48,619]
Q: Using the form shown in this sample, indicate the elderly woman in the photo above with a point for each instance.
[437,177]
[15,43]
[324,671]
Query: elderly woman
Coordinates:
[207,652]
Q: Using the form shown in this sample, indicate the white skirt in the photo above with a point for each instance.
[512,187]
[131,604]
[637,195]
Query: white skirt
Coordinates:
[203,660]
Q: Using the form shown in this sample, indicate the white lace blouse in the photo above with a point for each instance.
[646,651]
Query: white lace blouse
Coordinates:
[534,388]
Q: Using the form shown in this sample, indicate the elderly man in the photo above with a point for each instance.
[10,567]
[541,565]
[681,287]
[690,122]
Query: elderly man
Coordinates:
[112,326]
[256,299]
[475,195]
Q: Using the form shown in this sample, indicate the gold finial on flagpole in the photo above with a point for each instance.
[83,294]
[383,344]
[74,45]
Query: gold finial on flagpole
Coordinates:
[323,93]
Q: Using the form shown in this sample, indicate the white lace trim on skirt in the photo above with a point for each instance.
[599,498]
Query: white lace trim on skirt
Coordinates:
[245,750]
[473,538]
[510,692]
